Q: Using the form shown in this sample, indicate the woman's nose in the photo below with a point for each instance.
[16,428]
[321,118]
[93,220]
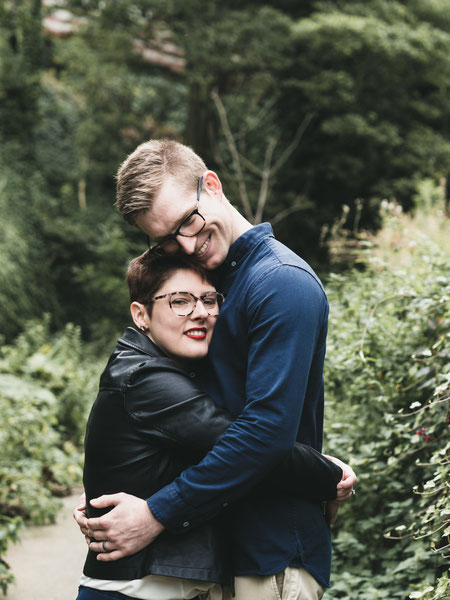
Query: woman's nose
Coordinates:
[199,311]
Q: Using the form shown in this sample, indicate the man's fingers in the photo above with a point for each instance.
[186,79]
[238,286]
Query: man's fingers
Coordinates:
[107,500]
[99,547]
[82,502]
[96,524]
[110,556]
[98,536]
[80,517]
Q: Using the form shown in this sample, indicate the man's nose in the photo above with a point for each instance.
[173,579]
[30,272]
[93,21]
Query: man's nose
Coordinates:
[187,244]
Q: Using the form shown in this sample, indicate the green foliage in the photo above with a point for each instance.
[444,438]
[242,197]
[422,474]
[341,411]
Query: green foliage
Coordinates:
[376,75]
[9,527]
[20,62]
[46,386]
[24,290]
[388,373]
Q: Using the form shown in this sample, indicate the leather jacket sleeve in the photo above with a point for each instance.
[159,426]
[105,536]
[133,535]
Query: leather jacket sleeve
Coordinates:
[306,473]
[167,407]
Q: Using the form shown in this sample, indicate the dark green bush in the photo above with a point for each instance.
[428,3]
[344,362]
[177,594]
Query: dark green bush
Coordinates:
[46,387]
[388,373]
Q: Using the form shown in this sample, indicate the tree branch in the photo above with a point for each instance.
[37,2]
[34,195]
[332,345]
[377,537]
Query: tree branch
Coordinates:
[234,154]
[293,145]
[299,205]
[263,190]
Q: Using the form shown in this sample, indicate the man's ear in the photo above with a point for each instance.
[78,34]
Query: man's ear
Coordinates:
[139,315]
[212,182]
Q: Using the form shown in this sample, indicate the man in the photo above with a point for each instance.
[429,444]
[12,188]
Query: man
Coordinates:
[267,357]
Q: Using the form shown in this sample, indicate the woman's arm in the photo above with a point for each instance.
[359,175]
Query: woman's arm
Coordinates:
[166,406]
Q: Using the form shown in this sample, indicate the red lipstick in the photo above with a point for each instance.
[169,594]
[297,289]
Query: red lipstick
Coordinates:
[196,333]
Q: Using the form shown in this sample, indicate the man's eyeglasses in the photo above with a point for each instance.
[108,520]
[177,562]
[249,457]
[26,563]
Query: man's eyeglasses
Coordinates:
[191,226]
[184,303]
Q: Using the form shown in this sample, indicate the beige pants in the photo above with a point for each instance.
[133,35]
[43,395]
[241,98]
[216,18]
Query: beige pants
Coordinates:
[291,584]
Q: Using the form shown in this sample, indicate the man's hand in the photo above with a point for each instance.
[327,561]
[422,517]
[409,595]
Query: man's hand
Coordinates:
[126,529]
[79,514]
[344,489]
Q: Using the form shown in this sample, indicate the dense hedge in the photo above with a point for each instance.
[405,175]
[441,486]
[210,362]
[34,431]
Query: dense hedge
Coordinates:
[388,374]
[46,385]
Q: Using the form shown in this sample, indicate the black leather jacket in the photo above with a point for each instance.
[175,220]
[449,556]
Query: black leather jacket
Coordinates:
[149,422]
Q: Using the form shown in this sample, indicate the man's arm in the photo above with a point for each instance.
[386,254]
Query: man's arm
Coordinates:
[293,325]
[185,419]
[286,314]
[131,526]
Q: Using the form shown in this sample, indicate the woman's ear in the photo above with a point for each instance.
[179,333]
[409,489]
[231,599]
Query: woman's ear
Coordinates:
[212,182]
[139,315]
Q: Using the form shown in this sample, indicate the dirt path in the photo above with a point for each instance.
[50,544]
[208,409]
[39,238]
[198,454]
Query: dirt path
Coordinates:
[47,562]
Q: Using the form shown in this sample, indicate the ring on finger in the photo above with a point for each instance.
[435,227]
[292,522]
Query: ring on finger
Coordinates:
[105,549]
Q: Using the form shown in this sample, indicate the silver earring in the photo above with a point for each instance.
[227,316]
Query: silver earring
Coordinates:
[143,328]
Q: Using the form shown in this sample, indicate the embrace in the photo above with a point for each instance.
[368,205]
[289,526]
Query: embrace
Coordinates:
[203,472]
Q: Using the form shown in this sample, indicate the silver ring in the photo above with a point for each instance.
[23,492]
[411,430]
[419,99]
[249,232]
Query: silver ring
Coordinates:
[104,546]
[353,492]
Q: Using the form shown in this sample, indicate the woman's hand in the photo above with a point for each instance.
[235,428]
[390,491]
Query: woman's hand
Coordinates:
[345,489]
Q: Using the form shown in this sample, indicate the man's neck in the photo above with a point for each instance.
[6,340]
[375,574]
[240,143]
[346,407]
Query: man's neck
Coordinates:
[239,224]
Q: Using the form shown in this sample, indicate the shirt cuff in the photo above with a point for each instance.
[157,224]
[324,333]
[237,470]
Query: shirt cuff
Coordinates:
[169,508]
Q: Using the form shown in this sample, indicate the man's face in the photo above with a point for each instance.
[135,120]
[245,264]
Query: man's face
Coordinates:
[173,204]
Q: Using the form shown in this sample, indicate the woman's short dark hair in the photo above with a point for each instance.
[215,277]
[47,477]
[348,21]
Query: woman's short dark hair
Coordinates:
[148,272]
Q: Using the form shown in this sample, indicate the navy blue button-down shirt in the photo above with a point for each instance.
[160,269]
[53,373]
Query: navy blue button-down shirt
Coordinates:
[267,356]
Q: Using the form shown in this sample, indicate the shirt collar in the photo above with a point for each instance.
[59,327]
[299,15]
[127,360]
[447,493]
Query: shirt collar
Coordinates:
[246,243]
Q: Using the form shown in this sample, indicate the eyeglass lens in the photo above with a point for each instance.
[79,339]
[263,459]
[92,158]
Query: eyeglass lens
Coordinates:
[191,227]
[183,303]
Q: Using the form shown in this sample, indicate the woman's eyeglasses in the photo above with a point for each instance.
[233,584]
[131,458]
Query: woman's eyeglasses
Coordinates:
[183,303]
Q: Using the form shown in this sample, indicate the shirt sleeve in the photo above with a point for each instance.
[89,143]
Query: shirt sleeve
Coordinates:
[287,314]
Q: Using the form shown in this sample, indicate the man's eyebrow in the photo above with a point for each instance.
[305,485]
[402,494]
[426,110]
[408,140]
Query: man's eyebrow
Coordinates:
[177,225]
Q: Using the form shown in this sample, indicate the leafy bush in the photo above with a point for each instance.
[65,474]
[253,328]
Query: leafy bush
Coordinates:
[388,374]
[46,387]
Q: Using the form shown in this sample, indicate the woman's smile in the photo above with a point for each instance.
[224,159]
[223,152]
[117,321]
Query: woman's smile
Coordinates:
[178,336]
[197,333]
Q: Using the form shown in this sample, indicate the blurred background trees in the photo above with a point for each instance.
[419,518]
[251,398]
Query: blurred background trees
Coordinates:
[317,115]
[300,110]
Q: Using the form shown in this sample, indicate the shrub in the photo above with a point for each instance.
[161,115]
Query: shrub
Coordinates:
[387,375]
[46,387]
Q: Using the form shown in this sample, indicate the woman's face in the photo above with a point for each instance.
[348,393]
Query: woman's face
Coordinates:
[185,337]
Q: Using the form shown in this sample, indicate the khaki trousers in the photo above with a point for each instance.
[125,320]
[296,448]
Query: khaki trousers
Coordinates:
[291,584]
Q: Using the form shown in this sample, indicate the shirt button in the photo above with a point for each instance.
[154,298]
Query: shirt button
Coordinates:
[225,504]
[186,524]
[192,374]
[233,263]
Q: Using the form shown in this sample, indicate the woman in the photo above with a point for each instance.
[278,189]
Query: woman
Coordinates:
[150,421]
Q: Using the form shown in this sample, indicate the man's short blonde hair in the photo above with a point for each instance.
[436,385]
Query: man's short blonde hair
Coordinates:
[142,174]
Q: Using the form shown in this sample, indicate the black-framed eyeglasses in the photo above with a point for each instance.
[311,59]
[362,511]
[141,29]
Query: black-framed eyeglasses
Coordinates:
[183,303]
[191,226]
